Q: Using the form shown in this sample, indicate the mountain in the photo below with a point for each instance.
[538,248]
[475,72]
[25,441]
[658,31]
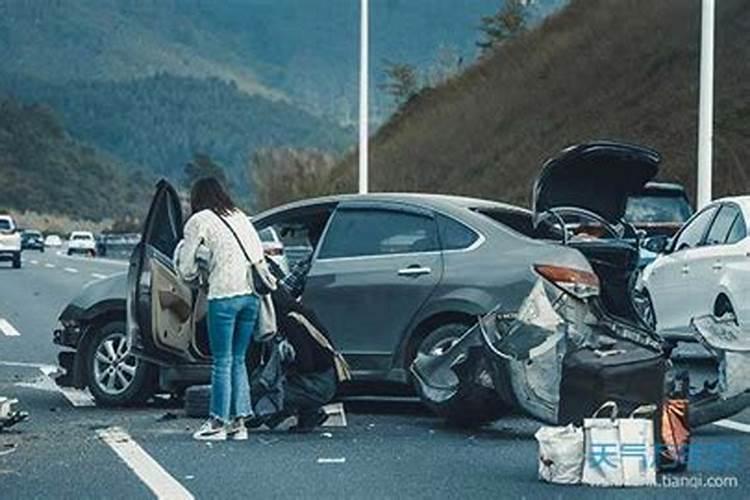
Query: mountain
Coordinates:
[162,120]
[621,69]
[44,170]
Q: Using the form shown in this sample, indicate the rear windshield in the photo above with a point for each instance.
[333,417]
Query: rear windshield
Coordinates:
[657,209]
[81,237]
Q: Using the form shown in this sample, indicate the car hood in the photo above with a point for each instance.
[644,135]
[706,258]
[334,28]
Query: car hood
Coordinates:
[111,290]
[596,176]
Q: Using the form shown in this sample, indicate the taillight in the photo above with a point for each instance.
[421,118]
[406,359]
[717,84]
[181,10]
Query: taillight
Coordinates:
[580,284]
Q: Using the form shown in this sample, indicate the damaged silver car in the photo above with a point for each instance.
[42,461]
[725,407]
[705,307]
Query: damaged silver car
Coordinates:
[538,358]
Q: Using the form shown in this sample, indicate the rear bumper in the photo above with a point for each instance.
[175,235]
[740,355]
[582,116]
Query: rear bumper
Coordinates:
[8,254]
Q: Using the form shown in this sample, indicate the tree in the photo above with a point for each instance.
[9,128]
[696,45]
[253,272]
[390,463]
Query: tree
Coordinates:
[402,81]
[506,23]
[203,166]
[282,175]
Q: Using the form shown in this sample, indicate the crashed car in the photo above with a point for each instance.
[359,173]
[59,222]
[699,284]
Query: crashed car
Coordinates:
[512,359]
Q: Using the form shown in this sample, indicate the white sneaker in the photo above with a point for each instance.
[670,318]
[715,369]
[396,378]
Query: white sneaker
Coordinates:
[211,430]
[236,431]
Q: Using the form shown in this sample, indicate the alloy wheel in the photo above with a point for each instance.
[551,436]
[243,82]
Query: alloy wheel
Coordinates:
[114,366]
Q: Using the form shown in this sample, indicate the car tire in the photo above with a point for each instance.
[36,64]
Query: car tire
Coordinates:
[70,252]
[17,261]
[197,401]
[115,378]
[473,405]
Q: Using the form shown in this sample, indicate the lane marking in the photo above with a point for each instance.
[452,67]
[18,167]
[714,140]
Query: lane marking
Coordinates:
[93,260]
[76,397]
[71,270]
[49,266]
[148,470]
[337,460]
[35,262]
[735,426]
[8,329]
[98,276]
[20,364]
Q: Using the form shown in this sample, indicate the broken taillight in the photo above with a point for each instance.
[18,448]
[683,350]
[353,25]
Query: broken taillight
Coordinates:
[580,284]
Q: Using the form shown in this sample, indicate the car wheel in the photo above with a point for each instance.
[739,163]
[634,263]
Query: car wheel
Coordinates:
[197,401]
[17,261]
[70,252]
[115,377]
[442,338]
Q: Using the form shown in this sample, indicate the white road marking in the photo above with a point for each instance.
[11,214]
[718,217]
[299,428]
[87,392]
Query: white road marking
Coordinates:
[76,397]
[49,266]
[98,276]
[7,329]
[35,262]
[98,260]
[735,426]
[148,470]
[337,460]
[71,270]
[21,364]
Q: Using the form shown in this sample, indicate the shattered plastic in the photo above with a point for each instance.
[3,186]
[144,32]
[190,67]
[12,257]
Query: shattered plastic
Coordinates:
[731,346]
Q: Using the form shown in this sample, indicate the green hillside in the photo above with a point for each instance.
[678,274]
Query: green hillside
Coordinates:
[620,69]
[44,170]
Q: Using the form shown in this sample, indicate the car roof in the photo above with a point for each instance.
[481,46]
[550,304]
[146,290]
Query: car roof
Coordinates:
[663,187]
[743,201]
[434,201]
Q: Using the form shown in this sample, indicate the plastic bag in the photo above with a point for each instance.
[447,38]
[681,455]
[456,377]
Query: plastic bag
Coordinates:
[560,454]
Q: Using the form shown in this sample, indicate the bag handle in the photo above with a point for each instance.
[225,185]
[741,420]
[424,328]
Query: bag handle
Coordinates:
[611,405]
[644,410]
[236,237]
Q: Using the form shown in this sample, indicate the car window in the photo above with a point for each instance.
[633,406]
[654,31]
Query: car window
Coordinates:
[738,231]
[653,209]
[81,237]
[5,225]
[723,221]
[298,231]
[454,235]
[361,232]
[164,235]
[692,233]
[266,235]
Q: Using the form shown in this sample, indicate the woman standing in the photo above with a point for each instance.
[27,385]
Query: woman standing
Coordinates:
[232,304]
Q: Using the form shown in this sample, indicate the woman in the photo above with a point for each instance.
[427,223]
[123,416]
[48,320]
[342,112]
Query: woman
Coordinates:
[232,304]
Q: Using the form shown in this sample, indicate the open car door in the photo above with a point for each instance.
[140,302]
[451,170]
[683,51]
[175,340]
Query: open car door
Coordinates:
[160,305]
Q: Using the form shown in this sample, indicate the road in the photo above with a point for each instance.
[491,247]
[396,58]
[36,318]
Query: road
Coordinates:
[388,449]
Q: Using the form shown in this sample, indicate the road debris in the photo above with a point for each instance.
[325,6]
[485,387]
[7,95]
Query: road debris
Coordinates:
[8,448]
[336,415]
[327,435]
[8,416]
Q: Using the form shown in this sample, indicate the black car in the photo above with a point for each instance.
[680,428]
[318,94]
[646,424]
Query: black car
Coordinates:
[660,208]
[32,240]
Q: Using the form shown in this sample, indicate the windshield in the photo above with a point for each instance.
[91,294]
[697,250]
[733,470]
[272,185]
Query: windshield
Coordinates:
[657,209]
[82,237]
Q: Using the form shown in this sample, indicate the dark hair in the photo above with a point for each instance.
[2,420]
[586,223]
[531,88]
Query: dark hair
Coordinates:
[208,194]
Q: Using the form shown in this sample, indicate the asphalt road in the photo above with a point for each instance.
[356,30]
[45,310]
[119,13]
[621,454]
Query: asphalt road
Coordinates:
[389,449]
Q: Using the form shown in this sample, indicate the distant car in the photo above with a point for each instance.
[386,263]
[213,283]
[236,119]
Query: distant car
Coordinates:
[53,241]
[32,240]
[703,270]
[659,209]
[273,247]
[10,241]
[82,242]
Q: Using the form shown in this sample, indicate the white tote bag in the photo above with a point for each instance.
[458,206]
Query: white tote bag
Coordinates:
[560,454]
[603,462]
[637,448]
[619,452]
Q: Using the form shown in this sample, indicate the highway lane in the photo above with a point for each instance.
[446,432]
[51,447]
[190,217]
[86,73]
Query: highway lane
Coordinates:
[387,450]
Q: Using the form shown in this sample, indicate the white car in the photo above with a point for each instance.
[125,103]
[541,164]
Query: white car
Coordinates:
[82,242]
[52,240]
[10,241]
[703,270]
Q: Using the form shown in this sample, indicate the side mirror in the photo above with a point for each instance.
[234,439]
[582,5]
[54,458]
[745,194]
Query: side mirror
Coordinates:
[657,244]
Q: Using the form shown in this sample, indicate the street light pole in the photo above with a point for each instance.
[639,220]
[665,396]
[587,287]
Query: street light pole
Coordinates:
[706,105]
[364,115]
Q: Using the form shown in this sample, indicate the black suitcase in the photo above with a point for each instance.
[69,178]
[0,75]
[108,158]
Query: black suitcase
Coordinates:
[627,373]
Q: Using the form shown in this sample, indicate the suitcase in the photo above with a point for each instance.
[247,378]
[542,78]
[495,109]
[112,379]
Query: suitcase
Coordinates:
[625,372]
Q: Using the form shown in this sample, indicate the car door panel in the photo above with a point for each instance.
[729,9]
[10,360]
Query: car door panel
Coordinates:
[171,309]
[367,301]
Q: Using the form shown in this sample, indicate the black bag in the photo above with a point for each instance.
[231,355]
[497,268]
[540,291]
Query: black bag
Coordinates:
[259,273]
[626,373]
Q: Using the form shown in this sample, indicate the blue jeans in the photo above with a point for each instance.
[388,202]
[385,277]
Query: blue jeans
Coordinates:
[231,323]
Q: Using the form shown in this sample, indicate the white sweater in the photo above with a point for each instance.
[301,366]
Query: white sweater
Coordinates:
[227,265]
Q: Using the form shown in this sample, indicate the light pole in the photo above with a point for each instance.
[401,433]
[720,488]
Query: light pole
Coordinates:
[706,104]
[364,115]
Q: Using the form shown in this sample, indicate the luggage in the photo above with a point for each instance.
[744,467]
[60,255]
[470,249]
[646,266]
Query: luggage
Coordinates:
[560,454]
[624,372]
[619,451]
